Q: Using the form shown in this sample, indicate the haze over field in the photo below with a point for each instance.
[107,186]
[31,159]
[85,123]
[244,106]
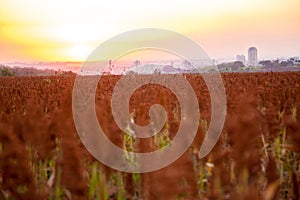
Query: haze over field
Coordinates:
[33,30]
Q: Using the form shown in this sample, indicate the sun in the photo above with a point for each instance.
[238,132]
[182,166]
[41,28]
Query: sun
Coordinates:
[79,52]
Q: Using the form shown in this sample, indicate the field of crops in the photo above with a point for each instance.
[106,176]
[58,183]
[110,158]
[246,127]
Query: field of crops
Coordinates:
[256,157]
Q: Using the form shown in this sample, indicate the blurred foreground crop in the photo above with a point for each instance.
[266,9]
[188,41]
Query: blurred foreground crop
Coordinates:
[257,156]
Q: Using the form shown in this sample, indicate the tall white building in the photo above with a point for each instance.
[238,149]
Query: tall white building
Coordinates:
[252,56]
[241,58]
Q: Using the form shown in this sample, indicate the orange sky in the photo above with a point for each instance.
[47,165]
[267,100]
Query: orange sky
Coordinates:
[34,30]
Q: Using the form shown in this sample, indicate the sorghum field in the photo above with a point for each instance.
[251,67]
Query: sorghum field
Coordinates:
[256,157]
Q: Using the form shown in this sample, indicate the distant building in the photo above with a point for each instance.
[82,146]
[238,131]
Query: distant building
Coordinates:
[241,58]
[295,60]
[252,56]
[186,65]
[136,63]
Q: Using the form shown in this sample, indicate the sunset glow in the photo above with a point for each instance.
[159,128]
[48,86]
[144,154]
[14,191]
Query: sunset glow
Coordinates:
[33,30]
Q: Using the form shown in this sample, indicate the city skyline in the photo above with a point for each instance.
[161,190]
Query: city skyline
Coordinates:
[32,30]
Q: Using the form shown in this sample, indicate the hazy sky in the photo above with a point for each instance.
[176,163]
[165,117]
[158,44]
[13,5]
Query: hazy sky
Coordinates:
[68,30]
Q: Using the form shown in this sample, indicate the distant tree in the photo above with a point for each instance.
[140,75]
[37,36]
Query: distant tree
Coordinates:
[7,71]
[266,63]
[233,66]
[275,64]
[130,73]
[66,72]
[284,64]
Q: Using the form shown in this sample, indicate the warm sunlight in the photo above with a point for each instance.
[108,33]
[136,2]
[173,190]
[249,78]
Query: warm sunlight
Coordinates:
[60,30]
[78,52]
